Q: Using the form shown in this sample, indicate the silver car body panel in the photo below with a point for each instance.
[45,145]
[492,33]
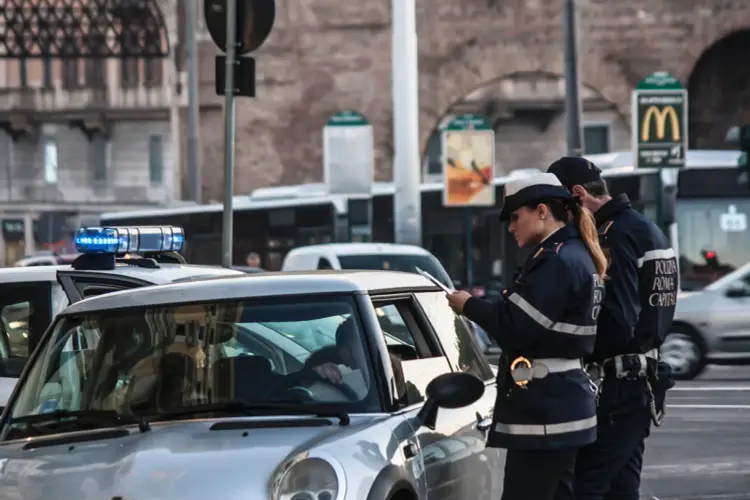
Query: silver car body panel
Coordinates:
[188,460]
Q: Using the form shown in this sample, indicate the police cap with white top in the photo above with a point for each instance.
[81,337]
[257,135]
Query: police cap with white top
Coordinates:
[538,187]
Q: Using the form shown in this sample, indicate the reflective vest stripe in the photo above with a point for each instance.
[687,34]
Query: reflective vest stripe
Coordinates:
[547,323]
[546,430]
[666,253]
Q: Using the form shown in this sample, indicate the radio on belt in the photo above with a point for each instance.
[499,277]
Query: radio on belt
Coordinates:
[124,240]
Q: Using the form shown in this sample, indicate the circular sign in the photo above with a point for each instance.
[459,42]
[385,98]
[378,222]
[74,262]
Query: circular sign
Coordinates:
[255,20]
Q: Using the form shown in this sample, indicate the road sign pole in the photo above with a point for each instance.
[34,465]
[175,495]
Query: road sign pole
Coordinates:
[574,133]
[194,174]
[229,123]
[407,200]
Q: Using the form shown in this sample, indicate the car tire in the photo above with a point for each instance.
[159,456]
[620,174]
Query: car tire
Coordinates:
[685,351]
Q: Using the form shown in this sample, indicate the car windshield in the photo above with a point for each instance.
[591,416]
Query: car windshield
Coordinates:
[157,360]
[397,262]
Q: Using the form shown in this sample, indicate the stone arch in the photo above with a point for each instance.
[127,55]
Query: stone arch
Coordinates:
[478,64]
[717,89]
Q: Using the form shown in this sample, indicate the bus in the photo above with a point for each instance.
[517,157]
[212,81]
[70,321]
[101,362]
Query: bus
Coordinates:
[707,226]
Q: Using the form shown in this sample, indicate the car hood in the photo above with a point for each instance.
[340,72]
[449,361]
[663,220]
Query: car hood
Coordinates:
[173,461]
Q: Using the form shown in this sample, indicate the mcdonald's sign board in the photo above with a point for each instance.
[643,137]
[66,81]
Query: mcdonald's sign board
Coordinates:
[659,111]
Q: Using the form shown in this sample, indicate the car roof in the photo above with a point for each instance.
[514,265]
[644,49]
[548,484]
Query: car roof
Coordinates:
[256,285]
[165,273]
[361,249]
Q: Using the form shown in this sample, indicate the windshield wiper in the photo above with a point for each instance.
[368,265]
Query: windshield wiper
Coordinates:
[104,417]
[253,409]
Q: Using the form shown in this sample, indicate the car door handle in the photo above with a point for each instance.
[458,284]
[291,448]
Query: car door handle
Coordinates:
[483,424]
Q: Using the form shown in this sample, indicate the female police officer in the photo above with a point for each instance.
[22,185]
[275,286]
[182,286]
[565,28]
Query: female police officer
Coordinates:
[545,324]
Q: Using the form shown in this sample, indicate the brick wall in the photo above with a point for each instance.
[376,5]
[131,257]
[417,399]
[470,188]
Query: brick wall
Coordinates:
[328,55]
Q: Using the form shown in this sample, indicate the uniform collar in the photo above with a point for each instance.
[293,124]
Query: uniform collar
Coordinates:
[557,236]
[613,207]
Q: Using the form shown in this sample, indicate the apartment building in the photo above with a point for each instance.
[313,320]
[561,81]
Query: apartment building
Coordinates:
[80,136]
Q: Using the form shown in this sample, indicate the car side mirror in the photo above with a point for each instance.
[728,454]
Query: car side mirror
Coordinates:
[449,390]
[738,289]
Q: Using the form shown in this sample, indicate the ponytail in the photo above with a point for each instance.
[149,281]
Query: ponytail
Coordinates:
[587,227]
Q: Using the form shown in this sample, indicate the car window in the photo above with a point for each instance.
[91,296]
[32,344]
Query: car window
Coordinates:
[157,359]
[415,355]
[25,312]
[456,338]
[397,262]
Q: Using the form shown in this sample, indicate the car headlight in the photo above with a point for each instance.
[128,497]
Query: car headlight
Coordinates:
[306,479]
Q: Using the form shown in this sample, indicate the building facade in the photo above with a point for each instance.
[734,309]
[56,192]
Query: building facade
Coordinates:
[500,58]
[80,136]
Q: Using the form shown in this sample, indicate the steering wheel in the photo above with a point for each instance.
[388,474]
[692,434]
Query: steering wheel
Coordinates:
[294,383]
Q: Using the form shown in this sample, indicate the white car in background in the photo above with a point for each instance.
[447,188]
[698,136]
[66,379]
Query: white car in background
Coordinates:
[711,326]
[369,256]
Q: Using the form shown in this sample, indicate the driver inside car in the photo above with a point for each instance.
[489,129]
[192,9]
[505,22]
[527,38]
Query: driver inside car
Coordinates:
[327,362]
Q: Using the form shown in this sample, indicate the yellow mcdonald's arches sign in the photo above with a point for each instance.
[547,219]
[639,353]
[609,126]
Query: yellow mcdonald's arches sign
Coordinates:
[660,117]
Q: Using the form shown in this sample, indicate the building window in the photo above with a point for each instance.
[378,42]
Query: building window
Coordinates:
[70,74]
[50,160]
[434,154]
[156,159]
[128,65]
[23,75]
[596,139]
[152,72]
[96,76]
[100,157]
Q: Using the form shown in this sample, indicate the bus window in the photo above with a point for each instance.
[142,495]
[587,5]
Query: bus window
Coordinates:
[714,239]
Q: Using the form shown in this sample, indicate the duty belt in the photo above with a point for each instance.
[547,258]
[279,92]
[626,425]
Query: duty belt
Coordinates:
[623,365]
[524,370]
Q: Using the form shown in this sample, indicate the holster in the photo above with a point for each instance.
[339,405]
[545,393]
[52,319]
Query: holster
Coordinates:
[661,381]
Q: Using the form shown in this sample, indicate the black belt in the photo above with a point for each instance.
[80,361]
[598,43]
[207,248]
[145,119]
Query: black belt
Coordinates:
[623,366]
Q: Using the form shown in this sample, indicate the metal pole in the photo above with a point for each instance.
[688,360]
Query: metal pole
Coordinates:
[227,222]
[469,249]
[407,203]
[194,174]
[572,85]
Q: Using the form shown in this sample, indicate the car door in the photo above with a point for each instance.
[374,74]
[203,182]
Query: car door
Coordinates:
[25,314]
[464,354]
[450,471]
[730,317]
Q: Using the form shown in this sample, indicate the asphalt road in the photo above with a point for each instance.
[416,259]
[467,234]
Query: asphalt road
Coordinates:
[703,449]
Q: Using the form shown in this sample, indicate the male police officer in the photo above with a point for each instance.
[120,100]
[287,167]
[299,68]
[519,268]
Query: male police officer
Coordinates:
[636,314]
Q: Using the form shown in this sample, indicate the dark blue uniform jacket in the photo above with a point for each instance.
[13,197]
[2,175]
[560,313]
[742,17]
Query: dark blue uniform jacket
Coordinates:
[641,292]
[548,312]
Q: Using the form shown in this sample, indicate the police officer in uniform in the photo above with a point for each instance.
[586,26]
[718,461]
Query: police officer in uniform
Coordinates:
[545,324]
[639,304]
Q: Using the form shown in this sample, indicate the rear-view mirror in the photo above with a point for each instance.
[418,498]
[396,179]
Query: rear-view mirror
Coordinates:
[449,390]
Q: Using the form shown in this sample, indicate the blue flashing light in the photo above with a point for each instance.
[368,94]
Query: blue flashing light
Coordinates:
[123,240]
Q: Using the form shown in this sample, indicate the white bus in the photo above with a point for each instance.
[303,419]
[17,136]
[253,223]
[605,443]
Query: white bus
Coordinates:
[711,235]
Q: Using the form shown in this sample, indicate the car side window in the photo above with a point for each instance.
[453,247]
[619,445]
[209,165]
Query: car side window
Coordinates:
[415,355]
[324,263]
[455,335]
[25,312]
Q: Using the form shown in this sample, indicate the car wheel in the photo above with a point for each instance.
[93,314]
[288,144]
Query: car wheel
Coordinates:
[683,350]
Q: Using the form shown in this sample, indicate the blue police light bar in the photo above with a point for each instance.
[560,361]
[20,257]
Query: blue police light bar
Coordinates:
[123,240]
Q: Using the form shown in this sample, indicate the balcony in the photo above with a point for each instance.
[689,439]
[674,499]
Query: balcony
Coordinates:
[114,101]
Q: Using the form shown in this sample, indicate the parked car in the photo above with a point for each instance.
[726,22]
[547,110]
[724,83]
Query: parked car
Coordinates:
[711,326]
[217,375]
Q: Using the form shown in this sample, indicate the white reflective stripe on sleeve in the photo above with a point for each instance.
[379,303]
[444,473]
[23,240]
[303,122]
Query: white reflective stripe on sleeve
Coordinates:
[547,323]
[546,430]
[667,253]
